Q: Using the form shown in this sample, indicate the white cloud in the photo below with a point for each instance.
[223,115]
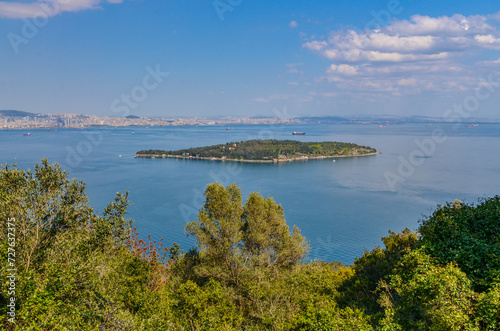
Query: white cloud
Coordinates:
[421,38]
[489,63]
[407,82]
[293,24]
[343,69]
[401,78]
[486,39]
[316,45]
[47,8]
[411,56]
[356,55]
[455,25]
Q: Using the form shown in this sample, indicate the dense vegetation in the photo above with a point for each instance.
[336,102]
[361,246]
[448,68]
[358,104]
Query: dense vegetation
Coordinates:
[267,150]
[77,270]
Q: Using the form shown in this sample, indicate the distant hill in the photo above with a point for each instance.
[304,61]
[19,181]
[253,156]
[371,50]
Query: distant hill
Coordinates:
[132,117]
[16,113]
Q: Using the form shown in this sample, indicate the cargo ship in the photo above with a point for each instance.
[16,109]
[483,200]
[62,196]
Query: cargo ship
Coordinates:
[295,133]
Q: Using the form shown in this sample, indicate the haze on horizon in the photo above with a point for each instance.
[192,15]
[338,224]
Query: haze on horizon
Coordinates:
[242,58]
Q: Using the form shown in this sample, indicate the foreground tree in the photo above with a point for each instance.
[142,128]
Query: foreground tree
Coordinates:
[75,269]
[422,295]
[267,241]
[219,233]
[374,267]
[467,235]
[234,238]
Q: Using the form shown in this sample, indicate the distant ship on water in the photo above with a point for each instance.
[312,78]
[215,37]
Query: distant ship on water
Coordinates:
[27,134]
[472,126]
[296,133]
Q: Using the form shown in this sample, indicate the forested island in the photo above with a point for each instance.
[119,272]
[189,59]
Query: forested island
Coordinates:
[265,151]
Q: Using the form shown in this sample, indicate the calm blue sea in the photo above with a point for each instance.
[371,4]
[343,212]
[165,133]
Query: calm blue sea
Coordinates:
[343,208]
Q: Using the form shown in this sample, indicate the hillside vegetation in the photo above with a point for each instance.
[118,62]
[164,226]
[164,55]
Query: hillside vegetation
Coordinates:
[15,113]
[266,150]
[78,270]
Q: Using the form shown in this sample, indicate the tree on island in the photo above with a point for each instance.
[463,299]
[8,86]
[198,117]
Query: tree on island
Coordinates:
[266,150]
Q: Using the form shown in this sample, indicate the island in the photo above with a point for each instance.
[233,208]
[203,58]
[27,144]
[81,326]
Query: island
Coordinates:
[265,151]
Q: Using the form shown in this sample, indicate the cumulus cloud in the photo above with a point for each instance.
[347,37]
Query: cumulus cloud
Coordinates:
[293,24]
[48,8]
[343,69]
[456,25]
[316,45]
[409,56]
[420,38]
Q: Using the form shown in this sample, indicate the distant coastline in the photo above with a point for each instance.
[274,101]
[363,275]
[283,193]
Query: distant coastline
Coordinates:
[13,119]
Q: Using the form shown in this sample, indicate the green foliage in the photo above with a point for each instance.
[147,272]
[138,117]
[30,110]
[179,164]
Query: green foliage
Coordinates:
[267,150]
[219,233]
[207,308]
[468,235]
[74,268]
[315,287]
[488,308]
[77,270]
[425,296]
[235,240]
[329,318]
[267,240]
[284,301]
[376,266]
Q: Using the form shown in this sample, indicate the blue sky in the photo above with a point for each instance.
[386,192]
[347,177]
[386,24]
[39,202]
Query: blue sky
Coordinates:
[246,58]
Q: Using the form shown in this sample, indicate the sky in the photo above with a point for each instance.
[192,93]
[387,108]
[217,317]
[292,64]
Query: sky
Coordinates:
[251,58]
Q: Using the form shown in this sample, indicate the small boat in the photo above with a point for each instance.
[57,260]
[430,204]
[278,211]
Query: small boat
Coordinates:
[333,161]
[120,155]
[133,133]
[227,128]
[27,134]
[296,133]
[472,126]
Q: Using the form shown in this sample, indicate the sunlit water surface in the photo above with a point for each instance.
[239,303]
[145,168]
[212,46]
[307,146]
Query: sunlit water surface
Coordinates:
[343,208]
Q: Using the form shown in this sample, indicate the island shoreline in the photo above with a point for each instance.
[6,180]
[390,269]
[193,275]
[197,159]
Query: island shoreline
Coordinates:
[302,158]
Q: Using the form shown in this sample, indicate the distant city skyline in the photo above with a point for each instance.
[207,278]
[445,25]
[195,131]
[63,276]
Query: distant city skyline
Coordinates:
[243,59]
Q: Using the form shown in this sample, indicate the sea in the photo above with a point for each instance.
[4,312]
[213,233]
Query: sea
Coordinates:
[343,206]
